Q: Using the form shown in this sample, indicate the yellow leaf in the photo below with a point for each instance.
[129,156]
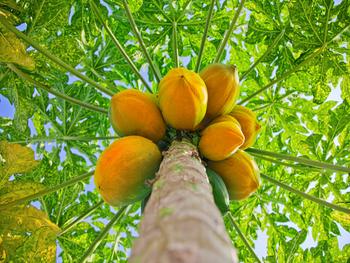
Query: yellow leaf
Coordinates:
[12,50]
[27,235]
[15,158]
[15,190]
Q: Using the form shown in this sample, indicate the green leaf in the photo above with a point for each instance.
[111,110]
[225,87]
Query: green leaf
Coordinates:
[320,91]
[345,88]
[135,5]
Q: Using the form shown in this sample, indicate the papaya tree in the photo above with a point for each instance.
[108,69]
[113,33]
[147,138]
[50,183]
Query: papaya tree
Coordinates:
[102,159]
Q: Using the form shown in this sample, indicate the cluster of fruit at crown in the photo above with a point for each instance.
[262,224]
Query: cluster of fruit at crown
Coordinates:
[204,103]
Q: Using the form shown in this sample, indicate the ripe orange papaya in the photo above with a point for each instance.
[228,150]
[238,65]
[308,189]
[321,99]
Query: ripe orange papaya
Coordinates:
[240,174]
[221,138]
[223,88]
[135,113]
[123,168]
[226,117]
[249,124]
[205,122]
[183,98]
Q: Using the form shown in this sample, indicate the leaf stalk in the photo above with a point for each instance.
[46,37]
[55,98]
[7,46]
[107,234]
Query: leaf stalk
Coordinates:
[47,191]
[242,236]
[66,138]
[175,46]
[142,44]
[316,164]
[119,46]
[103,234]
[228,32]
[204,37]
[305,195]
[69,226]
[53,58]
[268,50]
[58,94]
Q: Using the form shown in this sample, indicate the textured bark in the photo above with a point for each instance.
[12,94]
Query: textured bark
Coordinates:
[181,222]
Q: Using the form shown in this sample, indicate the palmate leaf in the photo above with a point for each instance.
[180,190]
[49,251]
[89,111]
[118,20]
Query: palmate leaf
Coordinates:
[12,50]
[27,235]
[345,88]
[14,190]
[15,159]
[342,218]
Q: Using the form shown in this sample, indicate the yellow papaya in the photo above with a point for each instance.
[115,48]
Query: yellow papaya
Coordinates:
[205,122]
[135,113]
[182,98]
[225,118]
[123,168]
[240,174]
[221,138]
[223,88]
[249,124]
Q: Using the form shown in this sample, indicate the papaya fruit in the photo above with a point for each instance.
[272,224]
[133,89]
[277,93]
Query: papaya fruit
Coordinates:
[221,138]
[240,174]
[226,117]
[183,98]
[249,124]
[135,113]
[123,168]
[223,88]
[205,122]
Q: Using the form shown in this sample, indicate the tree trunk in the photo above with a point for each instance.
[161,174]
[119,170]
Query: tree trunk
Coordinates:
[181,222]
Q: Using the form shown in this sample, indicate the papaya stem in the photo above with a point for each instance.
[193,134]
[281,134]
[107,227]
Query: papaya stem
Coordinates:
[47,191]
[142,44]
[58,94]
[272,160]
[228,32]
[301,160]
[205,33]
[53,58]
[119,46]
[66,138]
[123,210]
[175,47]
[242,236]
[69,226]
[305,195]
[268,50]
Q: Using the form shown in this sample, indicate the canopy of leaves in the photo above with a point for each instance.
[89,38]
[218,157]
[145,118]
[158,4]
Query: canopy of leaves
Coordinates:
[293,58]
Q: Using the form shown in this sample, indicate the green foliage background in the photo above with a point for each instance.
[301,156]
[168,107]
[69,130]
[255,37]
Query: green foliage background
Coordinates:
[302,50]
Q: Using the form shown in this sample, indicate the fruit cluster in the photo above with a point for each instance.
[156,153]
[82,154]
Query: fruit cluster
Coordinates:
[202,103]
